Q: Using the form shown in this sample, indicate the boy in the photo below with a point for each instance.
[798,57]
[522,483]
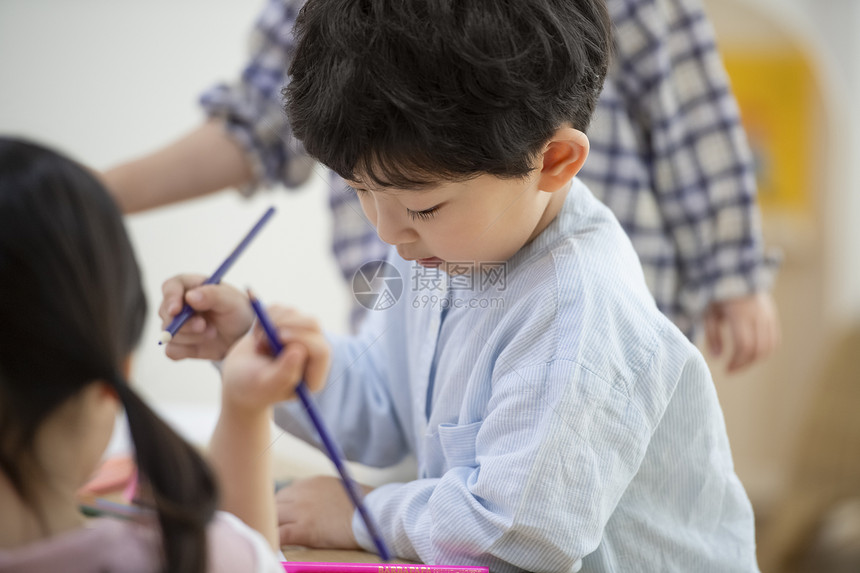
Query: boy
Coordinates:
[559,420]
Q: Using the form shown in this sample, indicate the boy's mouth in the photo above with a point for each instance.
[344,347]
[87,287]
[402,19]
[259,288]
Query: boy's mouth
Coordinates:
[431,262]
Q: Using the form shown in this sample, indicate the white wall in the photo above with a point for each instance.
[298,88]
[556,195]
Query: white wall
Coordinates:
[107,80]
[836,29]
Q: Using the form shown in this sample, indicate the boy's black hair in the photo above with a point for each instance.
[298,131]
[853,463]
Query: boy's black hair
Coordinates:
[406,93]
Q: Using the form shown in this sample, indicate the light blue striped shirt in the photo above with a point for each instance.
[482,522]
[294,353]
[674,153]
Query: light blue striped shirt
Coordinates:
[559,420]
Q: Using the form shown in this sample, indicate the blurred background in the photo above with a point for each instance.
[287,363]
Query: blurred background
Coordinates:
[107,80]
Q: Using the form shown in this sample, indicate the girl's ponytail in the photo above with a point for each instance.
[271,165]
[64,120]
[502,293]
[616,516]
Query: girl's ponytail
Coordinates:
[72,311]
[182,486]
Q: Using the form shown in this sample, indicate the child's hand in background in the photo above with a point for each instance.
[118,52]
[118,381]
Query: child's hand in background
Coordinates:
[253,379]
[223,316]
[316,512]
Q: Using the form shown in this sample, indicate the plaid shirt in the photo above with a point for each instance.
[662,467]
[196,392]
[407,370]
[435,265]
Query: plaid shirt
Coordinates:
[668,154]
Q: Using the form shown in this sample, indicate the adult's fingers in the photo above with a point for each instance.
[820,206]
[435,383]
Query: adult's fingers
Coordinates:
[713,334]
[745,347]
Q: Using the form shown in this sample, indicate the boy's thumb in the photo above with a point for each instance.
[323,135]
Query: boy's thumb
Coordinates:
[217,298]
[202,297]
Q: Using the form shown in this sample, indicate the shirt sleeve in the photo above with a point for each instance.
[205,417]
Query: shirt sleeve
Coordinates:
[251,109]
[357,404]
[572,436]
[672,78]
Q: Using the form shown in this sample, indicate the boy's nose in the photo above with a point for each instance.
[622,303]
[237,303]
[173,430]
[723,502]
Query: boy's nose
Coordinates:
[393,226]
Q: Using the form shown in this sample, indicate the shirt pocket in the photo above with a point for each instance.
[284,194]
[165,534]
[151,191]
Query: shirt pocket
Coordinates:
[457,442]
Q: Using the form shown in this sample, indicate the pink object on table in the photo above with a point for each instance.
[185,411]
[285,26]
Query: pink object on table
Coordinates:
[112,475]
[131,489]
[308,567]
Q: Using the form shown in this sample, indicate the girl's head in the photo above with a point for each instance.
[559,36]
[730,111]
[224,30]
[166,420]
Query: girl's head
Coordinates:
[72,311]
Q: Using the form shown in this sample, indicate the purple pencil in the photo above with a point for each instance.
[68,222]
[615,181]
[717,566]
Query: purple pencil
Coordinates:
[187,312]
[331,448]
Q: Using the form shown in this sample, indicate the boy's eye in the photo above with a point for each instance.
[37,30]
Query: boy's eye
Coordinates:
[424,215]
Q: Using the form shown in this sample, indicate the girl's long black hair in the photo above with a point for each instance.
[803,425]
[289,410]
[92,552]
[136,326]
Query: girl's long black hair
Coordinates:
[72,309]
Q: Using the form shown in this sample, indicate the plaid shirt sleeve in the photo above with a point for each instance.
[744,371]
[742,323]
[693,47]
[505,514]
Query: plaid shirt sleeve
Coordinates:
[670,158]
[252,108]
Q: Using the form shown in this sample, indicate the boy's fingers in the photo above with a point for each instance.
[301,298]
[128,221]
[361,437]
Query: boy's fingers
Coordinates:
[176,351]
[217,298]
[291,534]
[175,286]
[170,305]
[195,330]
[262,345]
[317,363]
[289,318]
[305,336]
[306,350]
[195,325]
[316,372]
[295,358]
[173,291]
[285,371]
[274,310]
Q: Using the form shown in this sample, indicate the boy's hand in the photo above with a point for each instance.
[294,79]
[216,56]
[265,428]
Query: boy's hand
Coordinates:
[253,379]
[753,325]
[223,315]
[316,512]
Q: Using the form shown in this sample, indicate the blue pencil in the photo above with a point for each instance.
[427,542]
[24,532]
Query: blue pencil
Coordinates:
[187,312]
[331,449]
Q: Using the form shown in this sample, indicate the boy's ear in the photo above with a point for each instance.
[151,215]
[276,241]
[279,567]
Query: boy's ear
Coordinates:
[563,157]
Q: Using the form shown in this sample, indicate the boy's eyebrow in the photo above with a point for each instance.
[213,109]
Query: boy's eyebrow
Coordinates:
[385,189]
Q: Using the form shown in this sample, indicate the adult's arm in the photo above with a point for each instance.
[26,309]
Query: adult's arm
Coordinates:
[246,141]
[203,161]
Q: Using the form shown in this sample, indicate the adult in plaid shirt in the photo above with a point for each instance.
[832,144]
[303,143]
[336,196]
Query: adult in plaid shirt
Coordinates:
[668,156]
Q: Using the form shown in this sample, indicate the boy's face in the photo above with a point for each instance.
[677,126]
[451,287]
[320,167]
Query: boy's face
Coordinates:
[485,219]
